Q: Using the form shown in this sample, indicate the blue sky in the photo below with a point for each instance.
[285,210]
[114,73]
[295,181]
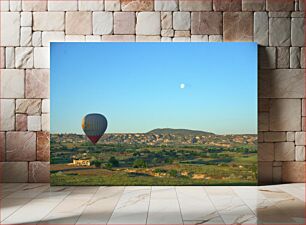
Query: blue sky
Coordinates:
[142,86]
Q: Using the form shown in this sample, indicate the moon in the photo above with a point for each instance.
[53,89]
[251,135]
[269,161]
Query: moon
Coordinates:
[182,86]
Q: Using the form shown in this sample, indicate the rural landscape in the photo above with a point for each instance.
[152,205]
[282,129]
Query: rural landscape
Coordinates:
[158,157]
[185,115]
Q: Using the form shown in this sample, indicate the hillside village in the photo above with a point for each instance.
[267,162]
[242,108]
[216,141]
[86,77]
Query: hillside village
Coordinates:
[153,139]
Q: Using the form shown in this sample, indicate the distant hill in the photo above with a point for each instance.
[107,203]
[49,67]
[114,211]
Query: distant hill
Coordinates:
[183,132]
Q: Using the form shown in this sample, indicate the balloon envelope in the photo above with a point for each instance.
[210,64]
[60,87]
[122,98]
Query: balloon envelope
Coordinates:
[94,126]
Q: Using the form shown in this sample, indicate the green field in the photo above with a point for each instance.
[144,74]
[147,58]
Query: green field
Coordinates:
[143,164]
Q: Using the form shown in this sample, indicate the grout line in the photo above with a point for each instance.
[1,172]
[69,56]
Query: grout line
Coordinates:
[116,204]
[254,212]
[179,205]
[87,204]
[27,203]
[217,211]
[149,205]
[30,199]
[55,207]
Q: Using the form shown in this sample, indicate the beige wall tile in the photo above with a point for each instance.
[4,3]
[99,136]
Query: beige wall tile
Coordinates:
[265,152]
[284,151]
[227,5]
[112,5]
[118,38]
[148,23]
[12,83]
[263,121]
[280,5]
[142,38]
[39,172]
[285,115]
[293,172]
[34,5]
[181,21]
[102,23]
[253,5]
[78,23]
[52,36]
[201,5]
[265,174]
[25,36]
[261,28]
[43,146]
[75,38]
[275,136]
[166,20]
[206,23]
[91,5]
[20,146]
[283,57]
[7,114]
[45,120]
[300,138]
[137,5]
[56,5]
[170,5]
[24,57]
[267,57]
[14,172]
[46,105]
[41,57]
[124,22]
[238,26]
[28,106]
[26,19]
[300,153]
[48,21]
[297,32]
[21,122]
[279,33]
[34,123]
[281,83]
[10,28]
[37,83]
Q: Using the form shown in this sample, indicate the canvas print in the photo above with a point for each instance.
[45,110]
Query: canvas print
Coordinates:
[153,113]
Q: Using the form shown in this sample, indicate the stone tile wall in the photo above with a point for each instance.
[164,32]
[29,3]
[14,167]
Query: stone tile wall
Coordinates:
[27,27]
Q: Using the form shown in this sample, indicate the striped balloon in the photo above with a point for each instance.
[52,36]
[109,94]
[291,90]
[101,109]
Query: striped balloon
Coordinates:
[94,126]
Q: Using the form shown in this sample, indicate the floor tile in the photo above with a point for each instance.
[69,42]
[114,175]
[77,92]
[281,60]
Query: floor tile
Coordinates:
[42,204]
[195,204]
[132,207]
[32,212]
[9,206]
[100,208]
[164,206]
[29,191]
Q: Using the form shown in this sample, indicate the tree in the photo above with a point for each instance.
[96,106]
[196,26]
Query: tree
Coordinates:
[97,163]
[136,154]
[173,173]
[112,160]
[159,170]
[213,155]
[190,174]
[139,163]
[169,160]
[155,161]
[108,166]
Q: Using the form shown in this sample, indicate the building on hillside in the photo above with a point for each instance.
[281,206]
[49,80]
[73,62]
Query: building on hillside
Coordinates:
[81,162]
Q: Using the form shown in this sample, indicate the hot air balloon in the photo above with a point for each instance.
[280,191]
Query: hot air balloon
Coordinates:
[94,126]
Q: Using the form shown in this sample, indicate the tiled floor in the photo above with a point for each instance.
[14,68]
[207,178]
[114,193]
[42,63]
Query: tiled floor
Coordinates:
[42,204]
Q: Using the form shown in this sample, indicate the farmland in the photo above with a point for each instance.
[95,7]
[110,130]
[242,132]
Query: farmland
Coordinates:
[159,157]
